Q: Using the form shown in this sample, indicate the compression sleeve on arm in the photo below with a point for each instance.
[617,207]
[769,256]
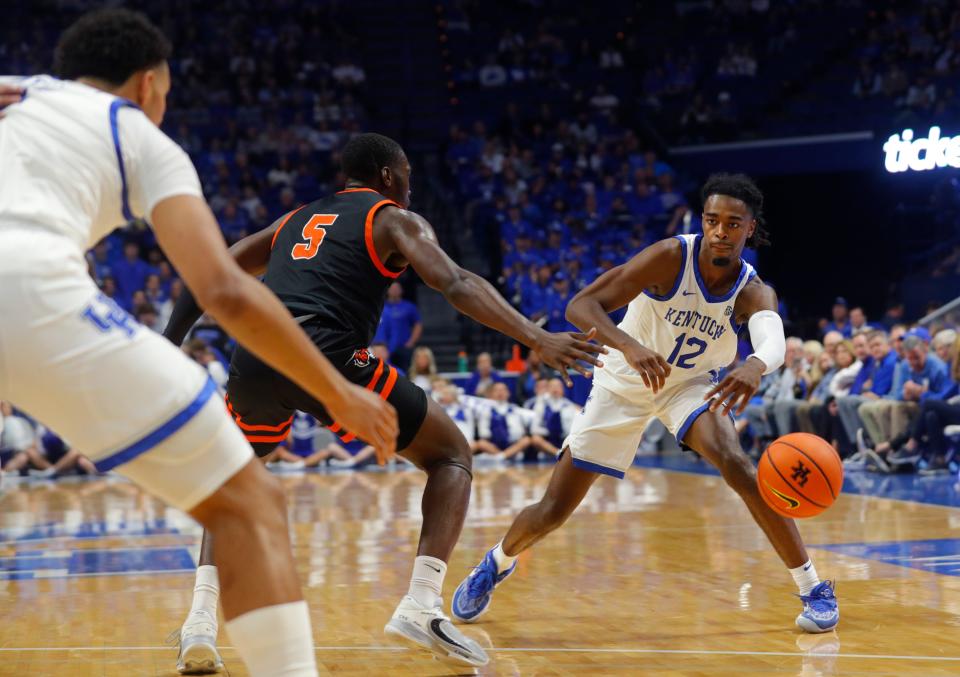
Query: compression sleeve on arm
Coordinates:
[766,334]
[185,314]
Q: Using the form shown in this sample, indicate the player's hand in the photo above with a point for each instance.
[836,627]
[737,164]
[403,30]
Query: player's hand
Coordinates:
[370,418]
[653,369]
[9,94]
[567,350]
[737,386]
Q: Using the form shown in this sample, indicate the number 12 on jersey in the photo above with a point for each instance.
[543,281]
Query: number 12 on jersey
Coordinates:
[685,361]
[313,233]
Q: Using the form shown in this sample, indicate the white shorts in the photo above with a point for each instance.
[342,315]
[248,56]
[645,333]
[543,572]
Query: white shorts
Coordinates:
[606,433]
[124,396]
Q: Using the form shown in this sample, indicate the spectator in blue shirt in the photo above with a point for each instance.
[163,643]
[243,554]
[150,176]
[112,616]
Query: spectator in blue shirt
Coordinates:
[848,404]
[918,377]
[557,300]
[533,292]
[130,274]
[484,377]
[858,320]
[400,325]
[878,391]
[841,320]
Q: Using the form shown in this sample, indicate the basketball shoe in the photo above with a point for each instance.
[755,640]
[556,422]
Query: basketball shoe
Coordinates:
[431,629]
[820,610]
[472,597]
[198,645]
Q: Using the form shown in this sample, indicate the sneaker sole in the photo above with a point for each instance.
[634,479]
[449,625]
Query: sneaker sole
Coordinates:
[807,625]
[200,660]
[396,631]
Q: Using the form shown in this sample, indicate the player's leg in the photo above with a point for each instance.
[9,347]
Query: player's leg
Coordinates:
[197,636]
[139,405]
[440,450]
[603,439]
[713,436]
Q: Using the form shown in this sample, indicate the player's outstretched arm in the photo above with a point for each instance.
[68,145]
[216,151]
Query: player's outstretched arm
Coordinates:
[655,267]
[757,305]
[413,237]
[252,254]
[188,233]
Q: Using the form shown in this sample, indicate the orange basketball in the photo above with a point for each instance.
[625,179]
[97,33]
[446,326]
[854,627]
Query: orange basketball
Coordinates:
[800,475]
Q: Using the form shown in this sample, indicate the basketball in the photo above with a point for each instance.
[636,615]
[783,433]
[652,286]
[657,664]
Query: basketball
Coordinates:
[800,475]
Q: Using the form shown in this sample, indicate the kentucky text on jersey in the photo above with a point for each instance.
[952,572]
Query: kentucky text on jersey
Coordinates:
[696,321]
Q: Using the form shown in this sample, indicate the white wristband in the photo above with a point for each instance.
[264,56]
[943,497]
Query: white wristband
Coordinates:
[769,344]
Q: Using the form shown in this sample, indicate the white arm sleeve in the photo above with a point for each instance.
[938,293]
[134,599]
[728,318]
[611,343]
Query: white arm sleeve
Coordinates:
[769,344]
[158,168]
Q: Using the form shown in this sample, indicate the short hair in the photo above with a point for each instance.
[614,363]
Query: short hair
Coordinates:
[911,342]
[110,45]
[878,333]
[743,188]
[366,154]
[944,337]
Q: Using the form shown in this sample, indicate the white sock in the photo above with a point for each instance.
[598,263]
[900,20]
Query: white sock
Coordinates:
[503,560]
[426,583]
[206,591]
[806,577]
[275,640]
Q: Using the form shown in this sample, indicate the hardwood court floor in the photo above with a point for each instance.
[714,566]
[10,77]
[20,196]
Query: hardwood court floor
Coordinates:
[662,573]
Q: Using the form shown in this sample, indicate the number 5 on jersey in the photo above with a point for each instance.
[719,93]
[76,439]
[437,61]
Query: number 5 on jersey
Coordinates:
[313,233]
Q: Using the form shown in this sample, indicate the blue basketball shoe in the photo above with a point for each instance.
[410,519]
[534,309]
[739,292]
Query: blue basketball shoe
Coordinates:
[820,611]
[472,597]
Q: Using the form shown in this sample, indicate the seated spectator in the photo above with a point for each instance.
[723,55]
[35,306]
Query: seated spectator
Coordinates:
[56,457]
[502,427]
[943,345]
[18,442]
[557,301]
[874,412]
[198,351]
[298,446]
[130,274]
[921,376]
[807,375]
[779,387]
[483,377]
[458,408]
[862,388]
[825,418]
[819,392]
[423,368]
[146,314]
[858,320]
[926,437]
[528,380]
[553,415]
[840,318]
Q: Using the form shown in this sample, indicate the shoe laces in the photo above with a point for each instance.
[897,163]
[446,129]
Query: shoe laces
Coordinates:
[483,579]
[821,598]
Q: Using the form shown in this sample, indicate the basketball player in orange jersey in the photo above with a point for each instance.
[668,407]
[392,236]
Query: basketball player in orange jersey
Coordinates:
[687,297]
[331,262]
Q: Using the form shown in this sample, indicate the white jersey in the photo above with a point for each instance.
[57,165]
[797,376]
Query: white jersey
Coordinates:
[78,162]
[694,330]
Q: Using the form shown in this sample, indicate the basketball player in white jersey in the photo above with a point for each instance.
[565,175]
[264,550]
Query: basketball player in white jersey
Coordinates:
[687,297]
[78,156]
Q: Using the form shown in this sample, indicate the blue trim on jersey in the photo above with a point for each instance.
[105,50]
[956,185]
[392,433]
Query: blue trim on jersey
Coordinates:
[733,322]
[154,438]
[682,432]
[597,468]
[683,269]
[115,131]
[703,288]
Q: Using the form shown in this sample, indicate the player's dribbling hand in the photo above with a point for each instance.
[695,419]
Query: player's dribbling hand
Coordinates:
[566,350]
[370,418]
[737,386]
[9,94]
[653,369]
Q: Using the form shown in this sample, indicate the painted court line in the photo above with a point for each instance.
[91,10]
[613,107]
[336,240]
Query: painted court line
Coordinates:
[685,652]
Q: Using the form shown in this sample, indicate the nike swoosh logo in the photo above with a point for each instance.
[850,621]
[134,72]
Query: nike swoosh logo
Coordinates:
[689,293]
[807,568]
[792,503]
[438,631]
[430,567]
